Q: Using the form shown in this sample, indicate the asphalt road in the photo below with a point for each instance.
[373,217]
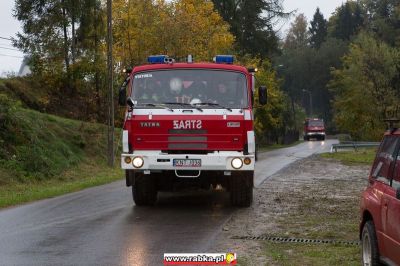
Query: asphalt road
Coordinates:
[101,225]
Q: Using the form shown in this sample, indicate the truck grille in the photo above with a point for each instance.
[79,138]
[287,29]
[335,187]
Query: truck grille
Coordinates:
[187,139]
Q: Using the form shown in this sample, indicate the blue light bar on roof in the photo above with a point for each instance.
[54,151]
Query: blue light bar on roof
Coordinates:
[224,59]
[157,59]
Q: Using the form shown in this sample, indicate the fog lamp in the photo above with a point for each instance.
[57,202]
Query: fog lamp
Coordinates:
[247,161]
[128,160]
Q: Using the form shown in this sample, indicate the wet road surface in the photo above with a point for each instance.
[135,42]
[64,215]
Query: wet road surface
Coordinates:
[101,225]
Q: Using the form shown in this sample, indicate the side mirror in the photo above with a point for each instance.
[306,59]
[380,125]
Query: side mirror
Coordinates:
[262,95]
[122,92]
[122,96]
[398,193]
[129,102]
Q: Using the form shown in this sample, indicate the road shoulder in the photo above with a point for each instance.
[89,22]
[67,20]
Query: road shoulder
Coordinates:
[313,198]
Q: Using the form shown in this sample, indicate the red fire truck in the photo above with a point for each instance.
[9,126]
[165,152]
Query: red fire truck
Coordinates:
[314,128]
[189,125]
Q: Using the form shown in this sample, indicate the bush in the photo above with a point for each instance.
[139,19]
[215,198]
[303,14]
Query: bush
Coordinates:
[8,108]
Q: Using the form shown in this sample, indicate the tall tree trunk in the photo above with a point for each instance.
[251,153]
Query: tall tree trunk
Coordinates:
[96,60]
[66,52]
[73,42]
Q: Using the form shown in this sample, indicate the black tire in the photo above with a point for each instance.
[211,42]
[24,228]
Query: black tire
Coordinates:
[323,138]
[144,190]
[241,188]
[369,245]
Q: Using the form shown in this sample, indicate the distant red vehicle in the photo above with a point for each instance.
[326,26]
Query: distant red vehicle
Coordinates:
[380,206]
[314,128]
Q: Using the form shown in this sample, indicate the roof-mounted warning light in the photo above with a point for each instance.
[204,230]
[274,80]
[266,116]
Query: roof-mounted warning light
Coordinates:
[252,69]
[160,59]
[224,59]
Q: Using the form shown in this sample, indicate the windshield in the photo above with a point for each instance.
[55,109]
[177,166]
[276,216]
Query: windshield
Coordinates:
[316,123]
[187,87]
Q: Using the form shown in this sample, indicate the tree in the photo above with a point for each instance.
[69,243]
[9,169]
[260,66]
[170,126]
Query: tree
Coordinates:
[318,30]
[64,40]
[347,21]
[269,124]
[383,20]
[298,36]
[178,28]
[367,88]
[251,22]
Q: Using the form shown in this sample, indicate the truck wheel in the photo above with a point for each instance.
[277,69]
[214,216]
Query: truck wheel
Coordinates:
[241,189]
[144,190]
[369,243]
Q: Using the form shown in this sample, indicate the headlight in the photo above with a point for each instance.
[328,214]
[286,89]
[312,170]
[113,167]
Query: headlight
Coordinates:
[237,163]
[138,162]
[247,161]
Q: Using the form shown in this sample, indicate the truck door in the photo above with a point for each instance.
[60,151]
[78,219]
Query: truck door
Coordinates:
[392,234]
[382,172]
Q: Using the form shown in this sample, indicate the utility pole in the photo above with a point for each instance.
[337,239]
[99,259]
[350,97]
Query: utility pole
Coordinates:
[110,130]
[310,101]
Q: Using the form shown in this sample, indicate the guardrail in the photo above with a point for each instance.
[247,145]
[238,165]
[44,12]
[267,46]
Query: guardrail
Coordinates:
[354,145]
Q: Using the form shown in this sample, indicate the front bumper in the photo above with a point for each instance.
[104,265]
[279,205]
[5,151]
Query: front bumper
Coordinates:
[313,134]
[217,161]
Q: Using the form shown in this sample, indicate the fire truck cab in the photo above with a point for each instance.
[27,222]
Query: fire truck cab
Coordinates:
[314,128]
[189,125]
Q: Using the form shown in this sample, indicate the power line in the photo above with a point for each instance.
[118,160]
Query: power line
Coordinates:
[2,47]
[8,39]
[11,56]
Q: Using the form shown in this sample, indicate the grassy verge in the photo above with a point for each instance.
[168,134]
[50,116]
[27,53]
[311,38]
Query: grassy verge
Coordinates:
[329,210]
[307,254]
[43,155]
[361,156]
[78,178]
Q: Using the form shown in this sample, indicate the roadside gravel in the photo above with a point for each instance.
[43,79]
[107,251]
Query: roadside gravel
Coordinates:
[313,198]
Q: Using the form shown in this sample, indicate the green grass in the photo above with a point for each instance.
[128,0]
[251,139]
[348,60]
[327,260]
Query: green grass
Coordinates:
[361,156]
[44,155]
[312,254]
[329,209]
[81,177]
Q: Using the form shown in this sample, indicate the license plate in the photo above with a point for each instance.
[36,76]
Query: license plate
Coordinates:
[187,162]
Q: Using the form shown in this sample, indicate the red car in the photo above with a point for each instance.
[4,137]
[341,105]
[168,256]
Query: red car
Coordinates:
[380,206]
[314,128]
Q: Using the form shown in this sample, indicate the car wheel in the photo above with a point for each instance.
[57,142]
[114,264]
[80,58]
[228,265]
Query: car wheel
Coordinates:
[369,244]
[144,190]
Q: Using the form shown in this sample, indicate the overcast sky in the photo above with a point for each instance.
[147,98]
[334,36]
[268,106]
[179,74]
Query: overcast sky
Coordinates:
[10,60]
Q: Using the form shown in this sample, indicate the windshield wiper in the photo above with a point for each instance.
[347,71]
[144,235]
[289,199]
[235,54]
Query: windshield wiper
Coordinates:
[185,104]
[157,105]
[214,104]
